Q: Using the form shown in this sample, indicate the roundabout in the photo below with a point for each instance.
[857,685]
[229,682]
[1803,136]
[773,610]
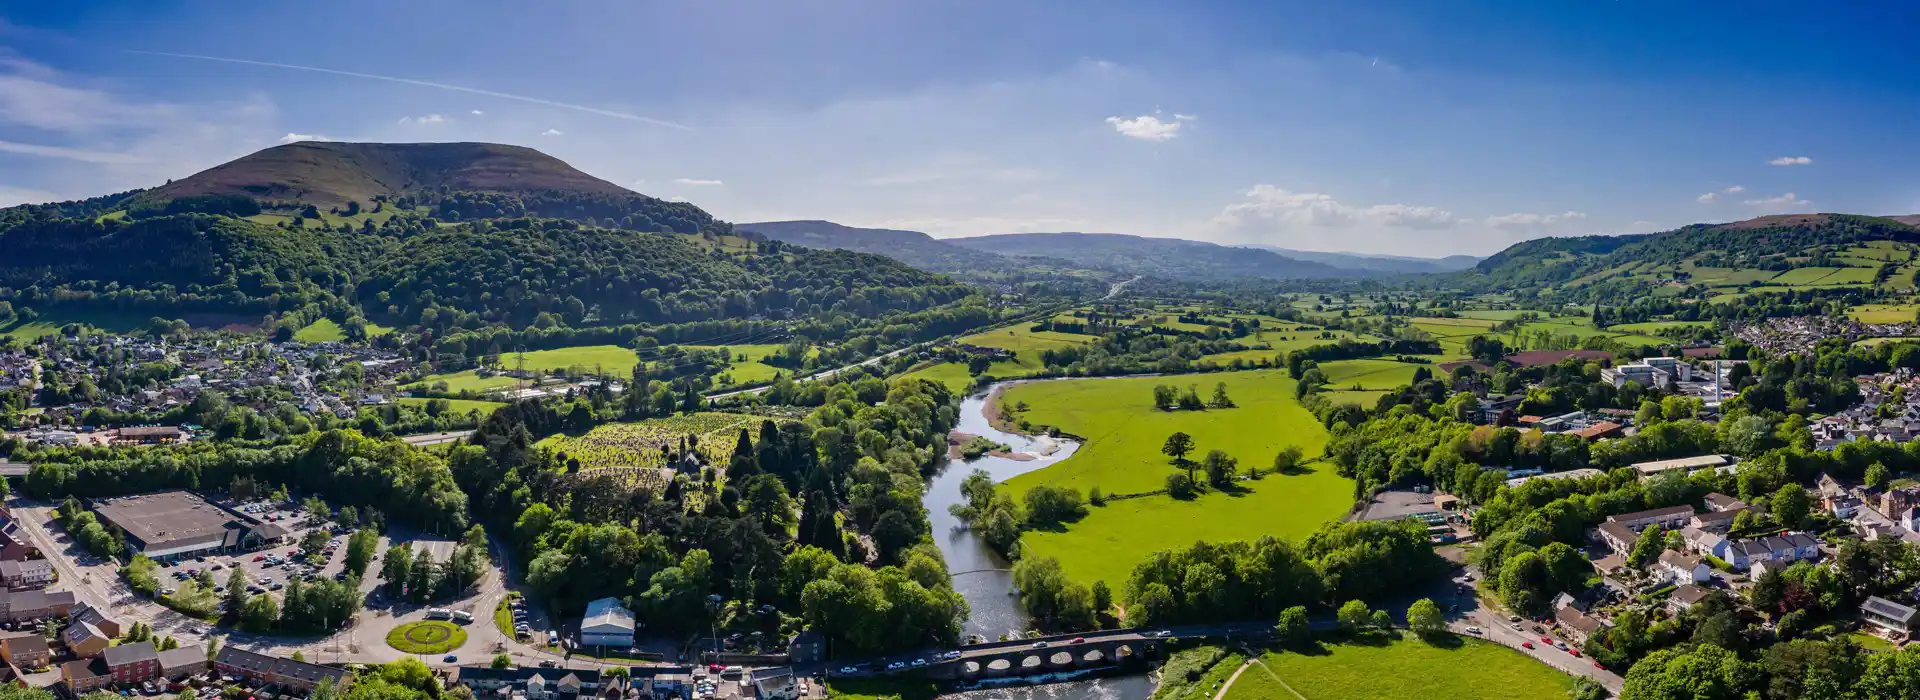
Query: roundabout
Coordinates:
[427,637]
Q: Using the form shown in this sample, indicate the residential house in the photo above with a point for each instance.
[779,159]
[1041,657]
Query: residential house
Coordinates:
[1568,600]
[29,573]
[85,640]
[1719,502]
[1576,625]
[1705,543]
[1843,507]
[84,676]
[26,650]
[1672,518]
[184,661]
[19,606]
[807,647]
[1685,597]
[1888,615]
[1682,568]
[1618,537]
[1787,548]
[13,543]
[272,670]
[482,679]
[129,664]
[1715,521]
[84,612]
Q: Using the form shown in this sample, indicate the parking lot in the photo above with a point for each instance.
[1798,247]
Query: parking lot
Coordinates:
[266,570]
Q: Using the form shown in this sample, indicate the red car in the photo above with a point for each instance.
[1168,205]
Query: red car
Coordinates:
[1526,645]
[1078,640]
[1574,652]
[1547,641]
[260,557]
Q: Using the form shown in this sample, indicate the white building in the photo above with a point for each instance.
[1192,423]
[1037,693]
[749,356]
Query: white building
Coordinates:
[607,623]
[1779,549]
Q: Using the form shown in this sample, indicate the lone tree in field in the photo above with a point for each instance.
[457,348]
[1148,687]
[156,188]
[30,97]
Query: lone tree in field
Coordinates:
[1220,399]
[1288,460]
[1220,468]
[1177,447]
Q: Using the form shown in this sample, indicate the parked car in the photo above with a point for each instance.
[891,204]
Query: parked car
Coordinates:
[1526,645]
[895,666]
[1042,644]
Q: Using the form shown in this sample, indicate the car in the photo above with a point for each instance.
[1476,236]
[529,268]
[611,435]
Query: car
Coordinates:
[1560,645]
[450,658]
[1526,645]
[1516,627]
[919,662]
[549,663]
[167,591]
[1473,630]
[895,666]
[217,566]
[1546,640]
[1574,652]
[1042,644]
[277,586]
[1513,618]
[1079,640]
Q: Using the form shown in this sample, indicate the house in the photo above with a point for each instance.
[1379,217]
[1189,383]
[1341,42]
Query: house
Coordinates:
[1887,615]
[85,640]
[13,543]
[30,573]
[807,647]
[1567,600]
[1720,502]
[1706,544]
[482,679]
[272,670]
[19,606]
[1672,518]
[1649,470]
[129,664]
[1685,597]
[148,435]
[84,612]
[1576,625]
[607,623]
[775,684]
[1602,429]
[1787,548]
[26,650]
[1682,568]
[1843,507]
[84,676]
[1618,537]
[184,661]
[1715,521]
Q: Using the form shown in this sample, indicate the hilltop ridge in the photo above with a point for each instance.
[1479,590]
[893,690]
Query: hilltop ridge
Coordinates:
[328,173]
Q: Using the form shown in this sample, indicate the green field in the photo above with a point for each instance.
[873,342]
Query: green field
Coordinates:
[1278,338]
[1884,313]
[751,370]
[609,359]
[954,374]
[1026,344]
[1651,327]
[326,331]
[458,382]
[458,405]
[1122,455]
[1475,670]
[1453,333]
[1372,375]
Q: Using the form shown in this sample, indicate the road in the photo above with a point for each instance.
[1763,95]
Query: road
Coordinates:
[431,439]
[1496,628]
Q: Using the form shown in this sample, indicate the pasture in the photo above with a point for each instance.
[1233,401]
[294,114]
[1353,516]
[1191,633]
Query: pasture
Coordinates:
[458,406]
[1884,313]
[461,382]
[1123,434]
[1408,668]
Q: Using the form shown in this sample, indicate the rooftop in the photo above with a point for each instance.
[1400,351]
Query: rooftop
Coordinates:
[607,611]
[166,517]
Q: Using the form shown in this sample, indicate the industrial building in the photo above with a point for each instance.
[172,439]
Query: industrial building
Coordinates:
[174,525]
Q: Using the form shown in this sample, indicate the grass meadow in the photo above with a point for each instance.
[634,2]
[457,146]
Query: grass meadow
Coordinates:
[1408,668]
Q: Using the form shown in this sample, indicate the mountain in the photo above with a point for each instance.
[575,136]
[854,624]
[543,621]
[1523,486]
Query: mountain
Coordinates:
[1160,257]
[448,235]
[911,247]
[1779,251]
[1364,262]
[329,174]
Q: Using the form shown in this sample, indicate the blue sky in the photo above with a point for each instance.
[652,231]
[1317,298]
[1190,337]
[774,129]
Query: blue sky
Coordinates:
[1417,128]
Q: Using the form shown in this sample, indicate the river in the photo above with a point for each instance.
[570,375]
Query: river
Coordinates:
[983,578]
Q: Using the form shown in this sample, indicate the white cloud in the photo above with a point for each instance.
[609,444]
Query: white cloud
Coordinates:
[1184,117]
[1641,225]
[1532,222]
[1782,203]
[478,113]
[292,137]
[1146,127]
[697,182]
[1267,204]
[551,132]
[428,119]
[1711,196]
[81,155]
[1791,160]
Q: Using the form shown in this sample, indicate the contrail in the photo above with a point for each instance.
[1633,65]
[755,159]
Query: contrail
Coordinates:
[424,83]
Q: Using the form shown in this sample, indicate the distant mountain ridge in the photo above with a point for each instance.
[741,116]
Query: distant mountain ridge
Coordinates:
[1375,262]
[911,247]
[330,173]
[1171,258]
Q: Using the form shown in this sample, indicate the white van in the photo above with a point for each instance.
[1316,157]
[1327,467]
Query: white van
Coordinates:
[462,617]
[438,614]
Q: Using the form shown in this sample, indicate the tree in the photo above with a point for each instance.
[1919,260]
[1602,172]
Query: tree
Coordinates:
[1220,468]
[1790,505]
[1702,672]
[261,613]
[1164,396]
[1288,460]
[1177,447]
[502,661]
[1292,629]
[236,592]
[1647,549]
[1102,597]
[1877,476]
[1354,616]
[1382,620]
[395,567]
[1425,618]
[361,546]
[1179,485]
[1220,399]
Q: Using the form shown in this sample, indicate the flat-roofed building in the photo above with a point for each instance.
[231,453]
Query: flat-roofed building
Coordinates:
[1888,615]
[1684,464]
[173,525]
[607,623]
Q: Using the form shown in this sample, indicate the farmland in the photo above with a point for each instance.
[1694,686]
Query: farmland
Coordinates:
[746,366]
[1475,670]
[461,382]
[1121,454]
[1884,313]
[326,330]
[646,444]
[458,405]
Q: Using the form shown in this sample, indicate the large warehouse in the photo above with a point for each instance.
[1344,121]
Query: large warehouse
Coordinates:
[173,525]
